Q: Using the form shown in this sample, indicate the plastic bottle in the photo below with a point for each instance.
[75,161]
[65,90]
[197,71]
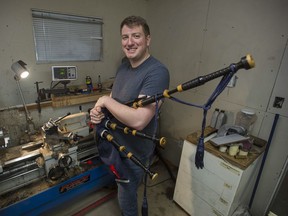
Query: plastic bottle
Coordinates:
[221,119]
[89,84]
[214,118]
[246,119]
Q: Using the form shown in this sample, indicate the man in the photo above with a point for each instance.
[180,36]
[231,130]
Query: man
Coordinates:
[140,74]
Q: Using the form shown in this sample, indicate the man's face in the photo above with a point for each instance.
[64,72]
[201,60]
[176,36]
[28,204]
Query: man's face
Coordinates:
[134,43]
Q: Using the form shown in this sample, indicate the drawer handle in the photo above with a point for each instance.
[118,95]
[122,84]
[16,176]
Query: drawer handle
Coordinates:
[228,186]
[223,201]
[233,170]
[217,213]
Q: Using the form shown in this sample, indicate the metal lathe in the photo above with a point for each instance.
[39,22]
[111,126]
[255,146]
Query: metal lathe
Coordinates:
[61,163]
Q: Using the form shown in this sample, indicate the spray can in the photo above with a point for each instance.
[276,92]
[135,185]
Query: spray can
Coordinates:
[214,118]
[89,84]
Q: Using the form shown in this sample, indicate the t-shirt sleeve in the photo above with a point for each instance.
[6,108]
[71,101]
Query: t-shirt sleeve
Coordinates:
[156,81]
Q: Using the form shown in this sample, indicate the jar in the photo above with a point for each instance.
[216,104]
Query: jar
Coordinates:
[246,119]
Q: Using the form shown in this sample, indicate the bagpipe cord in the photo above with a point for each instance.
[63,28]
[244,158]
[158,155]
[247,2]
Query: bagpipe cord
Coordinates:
[144,209]
[218,90]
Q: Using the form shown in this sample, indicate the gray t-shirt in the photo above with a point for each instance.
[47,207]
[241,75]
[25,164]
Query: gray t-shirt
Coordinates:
[149,78]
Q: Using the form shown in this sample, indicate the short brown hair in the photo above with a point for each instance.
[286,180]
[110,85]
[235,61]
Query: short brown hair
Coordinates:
[136,21]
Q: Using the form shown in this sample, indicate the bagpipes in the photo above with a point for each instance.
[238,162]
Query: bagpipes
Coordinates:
[112,158]
[246,62]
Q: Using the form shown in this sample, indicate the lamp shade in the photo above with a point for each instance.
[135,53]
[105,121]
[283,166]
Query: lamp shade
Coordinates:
[19,69]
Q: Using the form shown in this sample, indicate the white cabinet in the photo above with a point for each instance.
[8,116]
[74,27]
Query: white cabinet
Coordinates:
[217,189]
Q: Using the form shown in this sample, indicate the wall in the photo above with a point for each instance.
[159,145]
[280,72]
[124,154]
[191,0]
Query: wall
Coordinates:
[209,35]
[199,37]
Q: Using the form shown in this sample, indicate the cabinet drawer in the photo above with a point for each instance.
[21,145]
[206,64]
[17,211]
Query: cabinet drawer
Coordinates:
[223,187]
[216,184]
[191,202]
[208,193]
[212,163]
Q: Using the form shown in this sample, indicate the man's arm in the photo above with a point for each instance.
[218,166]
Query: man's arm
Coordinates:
[135,118]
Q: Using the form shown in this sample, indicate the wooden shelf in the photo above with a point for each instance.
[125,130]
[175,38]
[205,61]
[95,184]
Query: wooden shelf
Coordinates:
[34,106]
[243,163]
[69,100]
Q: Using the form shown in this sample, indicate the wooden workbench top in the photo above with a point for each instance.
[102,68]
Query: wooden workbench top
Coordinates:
[69,100]
[257,149]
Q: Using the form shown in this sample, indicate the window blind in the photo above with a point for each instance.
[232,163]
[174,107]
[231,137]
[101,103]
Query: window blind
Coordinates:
[61,37]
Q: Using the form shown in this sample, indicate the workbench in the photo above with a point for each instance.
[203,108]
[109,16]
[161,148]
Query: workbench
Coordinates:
[74,99]
[68,100]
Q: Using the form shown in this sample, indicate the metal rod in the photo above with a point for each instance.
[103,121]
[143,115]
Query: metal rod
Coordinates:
[264,159]
[27,114]
[59,119]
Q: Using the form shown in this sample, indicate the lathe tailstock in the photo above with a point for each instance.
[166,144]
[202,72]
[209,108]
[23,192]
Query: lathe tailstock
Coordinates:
[61,163]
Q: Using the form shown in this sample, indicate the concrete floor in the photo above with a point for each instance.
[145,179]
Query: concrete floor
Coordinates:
[159,194]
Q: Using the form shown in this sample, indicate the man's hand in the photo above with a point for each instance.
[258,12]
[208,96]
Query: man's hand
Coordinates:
[96,115]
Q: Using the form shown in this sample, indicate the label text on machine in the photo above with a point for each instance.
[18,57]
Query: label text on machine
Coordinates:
[74,184]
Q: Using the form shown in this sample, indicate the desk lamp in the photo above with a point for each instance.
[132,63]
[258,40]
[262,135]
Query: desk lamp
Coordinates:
[21,72]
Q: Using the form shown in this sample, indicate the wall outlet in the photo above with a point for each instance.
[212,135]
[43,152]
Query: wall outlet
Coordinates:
[278,102]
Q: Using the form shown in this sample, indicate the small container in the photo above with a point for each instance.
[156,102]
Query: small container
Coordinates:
[223,149]
[221,119]
[214,118]
[4,138]
[243,153]
[246,119]
[233,149]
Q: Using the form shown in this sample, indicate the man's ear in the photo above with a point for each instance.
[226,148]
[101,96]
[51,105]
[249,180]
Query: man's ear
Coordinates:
[148,39]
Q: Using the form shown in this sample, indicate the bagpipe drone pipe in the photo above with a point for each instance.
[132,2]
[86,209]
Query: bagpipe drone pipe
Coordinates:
[246,62]
[107,152]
